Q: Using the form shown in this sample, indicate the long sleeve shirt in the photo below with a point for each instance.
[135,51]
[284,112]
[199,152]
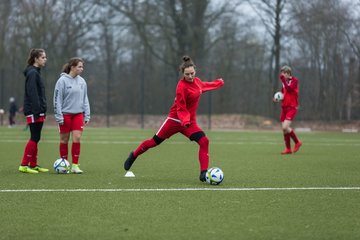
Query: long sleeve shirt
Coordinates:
[70,96]
[34,98]
[290,90]
[187,98]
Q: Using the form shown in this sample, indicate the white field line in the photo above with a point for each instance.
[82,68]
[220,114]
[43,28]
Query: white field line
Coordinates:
[179,189]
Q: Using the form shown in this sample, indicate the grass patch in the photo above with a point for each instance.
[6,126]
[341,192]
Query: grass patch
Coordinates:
[248,159]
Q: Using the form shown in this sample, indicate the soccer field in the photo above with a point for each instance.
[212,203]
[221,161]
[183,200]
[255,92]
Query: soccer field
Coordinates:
[313,194]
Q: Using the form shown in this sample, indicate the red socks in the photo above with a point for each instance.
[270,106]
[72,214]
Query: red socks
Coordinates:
[293,136]
[144,146]
[288,136]
[31,150]
[287,140]
[75,152]
[204,153]
[33,160]
[30,154]
[64,151]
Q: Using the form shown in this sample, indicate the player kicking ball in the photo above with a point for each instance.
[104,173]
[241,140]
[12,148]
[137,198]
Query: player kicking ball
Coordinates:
[182,117]
[289,108]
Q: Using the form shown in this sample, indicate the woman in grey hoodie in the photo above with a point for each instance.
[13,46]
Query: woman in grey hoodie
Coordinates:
[72,109]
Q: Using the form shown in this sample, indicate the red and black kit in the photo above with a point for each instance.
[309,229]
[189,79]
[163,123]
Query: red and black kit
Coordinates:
[34,110]
[182,118]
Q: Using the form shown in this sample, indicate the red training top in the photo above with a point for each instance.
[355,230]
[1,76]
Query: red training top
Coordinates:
[290,90]
[187,98]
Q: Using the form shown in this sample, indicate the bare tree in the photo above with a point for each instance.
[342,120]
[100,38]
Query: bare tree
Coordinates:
[132,51]
[353,90]
[318,30]
[60,27]
[172,28]
[5,12]
[272,15]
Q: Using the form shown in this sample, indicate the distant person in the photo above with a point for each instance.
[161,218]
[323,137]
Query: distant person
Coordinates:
[72,109]
[182,116]
[13,109]
[289,108]
[34,109]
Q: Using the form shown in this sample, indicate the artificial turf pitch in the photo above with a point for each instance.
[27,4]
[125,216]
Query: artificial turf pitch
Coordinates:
[313,194]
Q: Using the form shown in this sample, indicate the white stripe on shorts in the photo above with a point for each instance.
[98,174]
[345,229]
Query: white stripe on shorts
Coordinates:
[174,119]
[31,117]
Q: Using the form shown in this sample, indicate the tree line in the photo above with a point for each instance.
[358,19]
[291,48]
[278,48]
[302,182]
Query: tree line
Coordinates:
[132,50]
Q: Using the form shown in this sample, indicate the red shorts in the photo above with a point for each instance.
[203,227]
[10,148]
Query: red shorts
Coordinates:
[288,113]
[172,126]
[31,119]
[72,122]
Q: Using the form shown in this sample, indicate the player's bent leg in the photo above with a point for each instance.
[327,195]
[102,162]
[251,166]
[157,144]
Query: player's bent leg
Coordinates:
[286,126]
[286,131]
[147,144]
[203,142]
[298,143]
[203,153]
[143,147]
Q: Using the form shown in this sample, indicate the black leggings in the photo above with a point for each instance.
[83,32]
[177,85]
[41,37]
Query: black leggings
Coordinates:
[35,131]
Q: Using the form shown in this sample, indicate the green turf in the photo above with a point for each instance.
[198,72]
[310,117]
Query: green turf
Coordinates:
[248,159]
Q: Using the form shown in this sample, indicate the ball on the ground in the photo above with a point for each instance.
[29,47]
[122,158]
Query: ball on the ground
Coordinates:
[278,96]
[214,176]
[62,165]
[2,111]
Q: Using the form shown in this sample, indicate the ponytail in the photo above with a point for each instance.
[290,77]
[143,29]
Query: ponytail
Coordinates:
[34,53]
[72,63]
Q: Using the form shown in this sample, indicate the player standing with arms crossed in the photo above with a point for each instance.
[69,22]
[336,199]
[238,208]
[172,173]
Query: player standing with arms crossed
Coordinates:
[72,109]
[289,106]
[182,116]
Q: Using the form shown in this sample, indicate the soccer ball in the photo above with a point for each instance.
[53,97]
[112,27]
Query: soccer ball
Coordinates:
[61,165]
[278,96]
[214,176]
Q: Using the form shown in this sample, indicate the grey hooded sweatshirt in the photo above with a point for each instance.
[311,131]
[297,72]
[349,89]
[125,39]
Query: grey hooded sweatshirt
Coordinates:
[70,96]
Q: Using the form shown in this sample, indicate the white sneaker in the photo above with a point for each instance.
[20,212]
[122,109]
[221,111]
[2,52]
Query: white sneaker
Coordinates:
[75,168]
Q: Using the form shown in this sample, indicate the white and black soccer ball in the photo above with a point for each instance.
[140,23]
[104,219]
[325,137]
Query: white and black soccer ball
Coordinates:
[62,165]
[214,176]
[278,96]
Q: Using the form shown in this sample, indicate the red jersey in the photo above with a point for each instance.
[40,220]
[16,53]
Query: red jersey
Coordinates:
[290,90]
[187,98]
